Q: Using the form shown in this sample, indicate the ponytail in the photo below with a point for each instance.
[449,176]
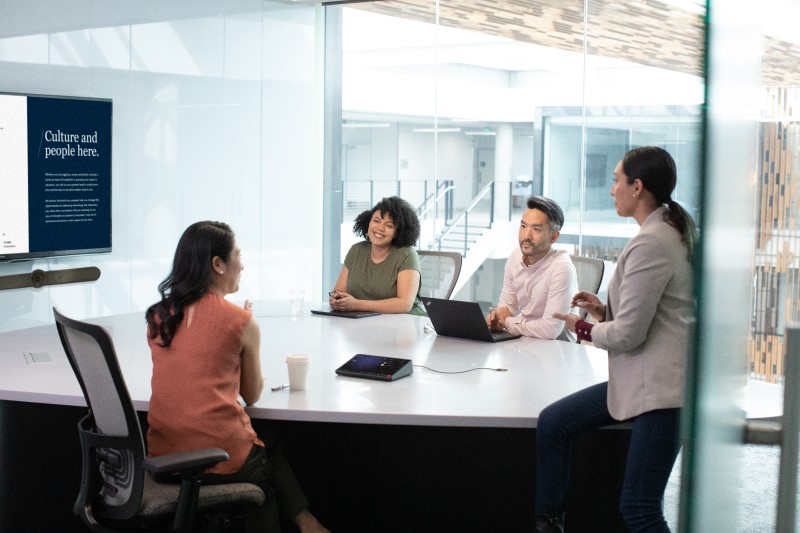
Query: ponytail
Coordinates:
[657,172]
[677,217]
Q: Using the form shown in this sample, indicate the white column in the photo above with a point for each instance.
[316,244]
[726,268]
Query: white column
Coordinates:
[503,163]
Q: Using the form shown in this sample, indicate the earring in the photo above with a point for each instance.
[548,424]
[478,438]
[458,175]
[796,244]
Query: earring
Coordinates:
[635,195]
[220,272]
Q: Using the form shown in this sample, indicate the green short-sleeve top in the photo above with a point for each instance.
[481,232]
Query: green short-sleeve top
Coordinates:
[367,280]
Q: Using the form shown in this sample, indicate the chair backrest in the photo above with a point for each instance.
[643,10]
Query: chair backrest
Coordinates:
[590,274]
[111,437]
[439,273]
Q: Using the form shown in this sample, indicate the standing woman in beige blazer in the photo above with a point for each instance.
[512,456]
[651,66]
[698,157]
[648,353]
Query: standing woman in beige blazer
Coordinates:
[644,327]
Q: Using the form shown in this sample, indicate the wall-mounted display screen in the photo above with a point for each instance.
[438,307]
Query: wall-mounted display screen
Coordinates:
[55,176]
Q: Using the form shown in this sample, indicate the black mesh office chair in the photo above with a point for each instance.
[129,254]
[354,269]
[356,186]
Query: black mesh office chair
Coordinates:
[118,491]
[590,275]
[438,272]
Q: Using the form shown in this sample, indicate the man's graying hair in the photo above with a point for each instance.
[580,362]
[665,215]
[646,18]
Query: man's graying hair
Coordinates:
[547,206]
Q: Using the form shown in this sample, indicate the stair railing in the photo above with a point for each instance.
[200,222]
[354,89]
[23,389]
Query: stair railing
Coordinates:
[442,195]
[358,195]
[471,209]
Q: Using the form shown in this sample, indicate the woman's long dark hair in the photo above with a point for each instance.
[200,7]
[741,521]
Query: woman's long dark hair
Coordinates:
[656,169]
[190,277]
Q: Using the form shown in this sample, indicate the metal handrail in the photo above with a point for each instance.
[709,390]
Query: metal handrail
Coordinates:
[364,191]
[439,201]
[436,199]
[489,189]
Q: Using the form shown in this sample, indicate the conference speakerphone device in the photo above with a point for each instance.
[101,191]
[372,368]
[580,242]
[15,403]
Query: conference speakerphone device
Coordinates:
[376,367]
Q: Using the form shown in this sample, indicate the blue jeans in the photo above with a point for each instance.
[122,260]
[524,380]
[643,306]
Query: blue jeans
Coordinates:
[655,441]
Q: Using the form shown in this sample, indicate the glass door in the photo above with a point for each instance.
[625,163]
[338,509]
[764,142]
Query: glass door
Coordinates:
[748,289]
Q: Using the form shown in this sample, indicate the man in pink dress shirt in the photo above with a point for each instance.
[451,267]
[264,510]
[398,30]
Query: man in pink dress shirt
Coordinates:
[538,280]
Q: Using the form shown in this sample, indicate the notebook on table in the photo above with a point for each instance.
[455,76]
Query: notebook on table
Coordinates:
[345,314]
[465,320]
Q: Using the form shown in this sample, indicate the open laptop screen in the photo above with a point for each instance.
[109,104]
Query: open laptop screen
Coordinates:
[464,320]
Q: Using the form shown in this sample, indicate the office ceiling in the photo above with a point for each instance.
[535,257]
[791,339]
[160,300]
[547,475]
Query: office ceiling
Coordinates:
[666,34]
[660,33]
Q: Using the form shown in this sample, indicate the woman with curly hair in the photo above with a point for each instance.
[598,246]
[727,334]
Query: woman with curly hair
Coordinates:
[381,273]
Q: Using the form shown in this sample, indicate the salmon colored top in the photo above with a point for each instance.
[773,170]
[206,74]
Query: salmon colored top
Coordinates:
[195,385]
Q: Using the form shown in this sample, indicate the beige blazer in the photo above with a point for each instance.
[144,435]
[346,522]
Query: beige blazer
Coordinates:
[648,316]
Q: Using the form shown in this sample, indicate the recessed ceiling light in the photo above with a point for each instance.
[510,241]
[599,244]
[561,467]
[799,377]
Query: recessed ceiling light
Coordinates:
[436,130]
[366,125]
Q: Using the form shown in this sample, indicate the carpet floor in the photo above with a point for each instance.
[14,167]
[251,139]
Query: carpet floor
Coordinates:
[758,490]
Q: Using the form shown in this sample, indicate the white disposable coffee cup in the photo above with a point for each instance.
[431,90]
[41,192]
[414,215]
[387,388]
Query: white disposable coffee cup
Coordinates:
[298,371]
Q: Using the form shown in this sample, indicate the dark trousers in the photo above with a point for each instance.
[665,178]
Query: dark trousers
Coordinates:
[268,468]
[655,442]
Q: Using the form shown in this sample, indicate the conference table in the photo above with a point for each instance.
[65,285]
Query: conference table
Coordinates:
[449,448]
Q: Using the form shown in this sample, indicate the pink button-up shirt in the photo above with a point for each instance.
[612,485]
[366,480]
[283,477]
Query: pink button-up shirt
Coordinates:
[534,292]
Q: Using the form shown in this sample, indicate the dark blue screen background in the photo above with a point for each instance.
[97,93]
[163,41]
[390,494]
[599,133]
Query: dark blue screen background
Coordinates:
[70,116]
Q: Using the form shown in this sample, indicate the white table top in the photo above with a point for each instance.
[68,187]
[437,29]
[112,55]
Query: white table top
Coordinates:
[538,371]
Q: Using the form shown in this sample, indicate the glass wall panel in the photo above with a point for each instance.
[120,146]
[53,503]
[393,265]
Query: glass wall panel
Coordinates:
[750,264]
[389,109]
[529,98]
[553,95]
[453,122]
[776,284]
[215,117]
[595,79]
[290,219]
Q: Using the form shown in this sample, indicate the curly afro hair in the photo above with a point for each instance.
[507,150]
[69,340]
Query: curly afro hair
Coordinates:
[406,223]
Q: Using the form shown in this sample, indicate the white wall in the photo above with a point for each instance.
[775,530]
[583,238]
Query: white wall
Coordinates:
[215,117]
[449,158]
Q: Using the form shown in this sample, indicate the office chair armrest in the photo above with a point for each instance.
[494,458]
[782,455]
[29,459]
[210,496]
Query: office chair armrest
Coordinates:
[188,466]
[189,463]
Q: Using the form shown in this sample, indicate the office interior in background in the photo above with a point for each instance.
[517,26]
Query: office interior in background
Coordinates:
[286,119]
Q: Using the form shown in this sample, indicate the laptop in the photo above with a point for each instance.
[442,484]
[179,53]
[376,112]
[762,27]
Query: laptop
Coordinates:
[465,320]
[345,314]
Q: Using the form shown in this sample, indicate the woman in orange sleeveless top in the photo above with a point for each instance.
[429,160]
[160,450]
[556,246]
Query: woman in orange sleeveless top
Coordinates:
[206,355]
